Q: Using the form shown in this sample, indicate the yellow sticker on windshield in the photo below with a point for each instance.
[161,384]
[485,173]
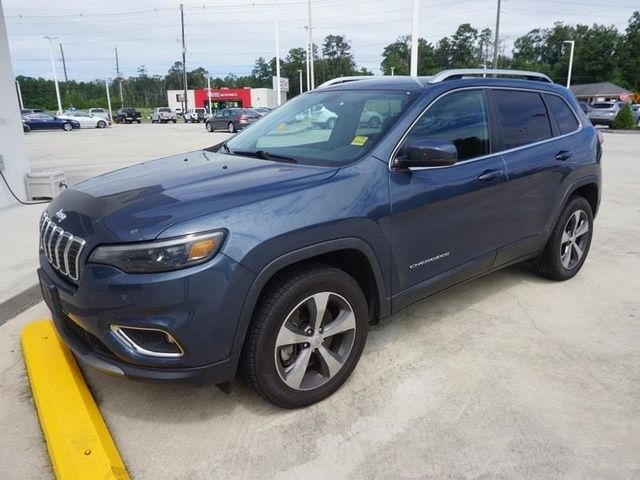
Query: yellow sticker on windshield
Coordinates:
[359,140]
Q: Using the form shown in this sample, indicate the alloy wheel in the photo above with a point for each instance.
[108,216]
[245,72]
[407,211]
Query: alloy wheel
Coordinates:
[315,341]
[574,239]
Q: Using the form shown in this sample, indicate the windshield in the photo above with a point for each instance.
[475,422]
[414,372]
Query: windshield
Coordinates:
[325,127]
[165,109]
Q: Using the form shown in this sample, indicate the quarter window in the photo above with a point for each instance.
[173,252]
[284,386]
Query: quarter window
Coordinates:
[522,116]
[460,118]
[567,122]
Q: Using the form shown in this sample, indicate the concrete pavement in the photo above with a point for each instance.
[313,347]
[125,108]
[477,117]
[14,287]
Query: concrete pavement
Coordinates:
[510,376]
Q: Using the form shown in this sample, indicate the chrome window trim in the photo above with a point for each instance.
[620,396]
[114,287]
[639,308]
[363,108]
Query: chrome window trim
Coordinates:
[118,332]
[490,155]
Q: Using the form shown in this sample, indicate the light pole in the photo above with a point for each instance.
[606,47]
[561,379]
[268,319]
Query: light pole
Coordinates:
[279,90]
[300,73]
[393,70]
[414,38]
[53,67]
[573,44]
[106,84]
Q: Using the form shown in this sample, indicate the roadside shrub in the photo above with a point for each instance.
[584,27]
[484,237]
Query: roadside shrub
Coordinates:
[624,119]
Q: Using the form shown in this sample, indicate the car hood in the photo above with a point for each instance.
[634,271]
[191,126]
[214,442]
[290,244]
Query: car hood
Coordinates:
[140,202]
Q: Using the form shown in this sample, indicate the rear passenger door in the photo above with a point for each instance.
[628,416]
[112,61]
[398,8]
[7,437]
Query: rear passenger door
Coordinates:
[535,165]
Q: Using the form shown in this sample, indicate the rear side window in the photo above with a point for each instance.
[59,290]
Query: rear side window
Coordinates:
[567,122]
[522,116]
[460,118]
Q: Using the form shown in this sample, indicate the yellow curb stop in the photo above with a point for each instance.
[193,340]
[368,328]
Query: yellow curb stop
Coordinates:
[79,443]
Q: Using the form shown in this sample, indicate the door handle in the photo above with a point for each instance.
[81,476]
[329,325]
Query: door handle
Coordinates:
[563,155]
[491,175]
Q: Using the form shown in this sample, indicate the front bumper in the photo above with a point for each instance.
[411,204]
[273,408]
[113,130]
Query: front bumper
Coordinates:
[199,307]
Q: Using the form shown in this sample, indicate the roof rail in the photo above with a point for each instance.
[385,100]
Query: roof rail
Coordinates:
[335,81]
[459,73]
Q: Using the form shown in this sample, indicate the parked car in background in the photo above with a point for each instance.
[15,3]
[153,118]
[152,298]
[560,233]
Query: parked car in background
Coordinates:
[179,112]
[99,112]
[635,112]
[127,115]
[603,113]
[231,119]
[262,111]
[371,118]
[85,119]
[195,115]
[44,121]
[585,107]
[163,115]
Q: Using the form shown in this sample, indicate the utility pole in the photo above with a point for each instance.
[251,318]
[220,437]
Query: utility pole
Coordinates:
[279,90]
[308,62]
[496,42]
[414,38]
[106,84]
[119,80]
[184,60]
[64,64]
[300,72]
[312,72]
[573,44]
[19,92]
[55,76]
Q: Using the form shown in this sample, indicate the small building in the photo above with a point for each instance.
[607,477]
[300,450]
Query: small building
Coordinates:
[600,92]
[224,98]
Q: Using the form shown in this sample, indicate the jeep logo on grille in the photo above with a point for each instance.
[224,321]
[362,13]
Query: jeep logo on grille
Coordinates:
[60,215]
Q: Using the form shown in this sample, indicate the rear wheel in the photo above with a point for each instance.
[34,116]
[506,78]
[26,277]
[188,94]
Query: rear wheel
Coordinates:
[568,246]
[307,336]
[231,127]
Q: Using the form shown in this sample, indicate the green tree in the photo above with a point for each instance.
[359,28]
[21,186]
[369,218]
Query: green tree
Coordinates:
[463,47]
[630,53]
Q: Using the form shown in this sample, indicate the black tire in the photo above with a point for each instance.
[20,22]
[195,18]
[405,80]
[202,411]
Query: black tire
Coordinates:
[209,127]
[261,356]
[232,128]
[561,242]
[174,120]
[138,121]
[67,127]
[26,128]
[102,124]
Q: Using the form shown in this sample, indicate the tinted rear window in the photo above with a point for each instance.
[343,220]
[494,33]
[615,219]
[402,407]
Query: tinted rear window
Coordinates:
[602,105]
[563,114]
[522,116]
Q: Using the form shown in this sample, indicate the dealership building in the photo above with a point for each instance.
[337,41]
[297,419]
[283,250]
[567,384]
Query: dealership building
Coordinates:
[225,98]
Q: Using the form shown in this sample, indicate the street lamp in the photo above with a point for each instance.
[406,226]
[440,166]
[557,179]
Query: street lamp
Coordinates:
[53,67]
[573,44]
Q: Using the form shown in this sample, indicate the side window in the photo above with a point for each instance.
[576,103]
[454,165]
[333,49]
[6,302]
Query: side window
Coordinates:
[522,116]
[460,118]
[564,116]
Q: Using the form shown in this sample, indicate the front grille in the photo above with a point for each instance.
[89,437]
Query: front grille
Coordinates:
[61,248]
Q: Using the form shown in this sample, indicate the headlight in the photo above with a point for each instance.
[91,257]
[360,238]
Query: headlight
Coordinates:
[161,255]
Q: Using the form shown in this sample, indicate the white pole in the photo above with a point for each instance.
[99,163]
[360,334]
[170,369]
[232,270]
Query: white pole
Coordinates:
[55,77]
[300,72]
[19,95]
[393,71]
[308,62]
[312,73]
[209,94]
[106,84]
[414,38]
[279,91]
[573,44]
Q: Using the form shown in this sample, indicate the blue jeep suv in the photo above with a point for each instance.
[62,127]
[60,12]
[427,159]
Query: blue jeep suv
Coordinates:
[275,250]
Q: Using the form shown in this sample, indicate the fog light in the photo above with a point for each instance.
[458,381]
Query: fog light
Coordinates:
[151,342]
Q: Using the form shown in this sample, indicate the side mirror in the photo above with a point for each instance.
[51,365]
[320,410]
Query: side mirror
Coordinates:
[428,152]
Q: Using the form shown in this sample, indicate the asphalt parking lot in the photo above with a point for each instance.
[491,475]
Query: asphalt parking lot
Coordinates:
[510,376]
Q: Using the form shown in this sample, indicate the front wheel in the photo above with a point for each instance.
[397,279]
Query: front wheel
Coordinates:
[568,246]
[209,127]
[102,124]
[67,127]
[231,127]
[331,123]
[307,336]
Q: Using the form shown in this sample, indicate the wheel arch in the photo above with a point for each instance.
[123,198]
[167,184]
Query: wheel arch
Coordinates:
[352,255]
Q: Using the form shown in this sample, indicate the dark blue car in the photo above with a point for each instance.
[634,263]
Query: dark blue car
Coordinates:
[44,121]
[275,250]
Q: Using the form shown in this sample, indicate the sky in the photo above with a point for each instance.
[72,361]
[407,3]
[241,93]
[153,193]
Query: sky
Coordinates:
[227,36]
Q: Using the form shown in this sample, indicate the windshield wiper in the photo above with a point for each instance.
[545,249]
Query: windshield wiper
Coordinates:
[265,156]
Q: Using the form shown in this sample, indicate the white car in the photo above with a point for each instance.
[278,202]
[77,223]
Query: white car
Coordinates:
[85,119]
[163,115]
[99,112]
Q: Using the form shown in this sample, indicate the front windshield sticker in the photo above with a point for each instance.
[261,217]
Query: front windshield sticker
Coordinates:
[359,140]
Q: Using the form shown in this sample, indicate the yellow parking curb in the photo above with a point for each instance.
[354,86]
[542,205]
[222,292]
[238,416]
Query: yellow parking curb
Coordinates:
[79,443]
